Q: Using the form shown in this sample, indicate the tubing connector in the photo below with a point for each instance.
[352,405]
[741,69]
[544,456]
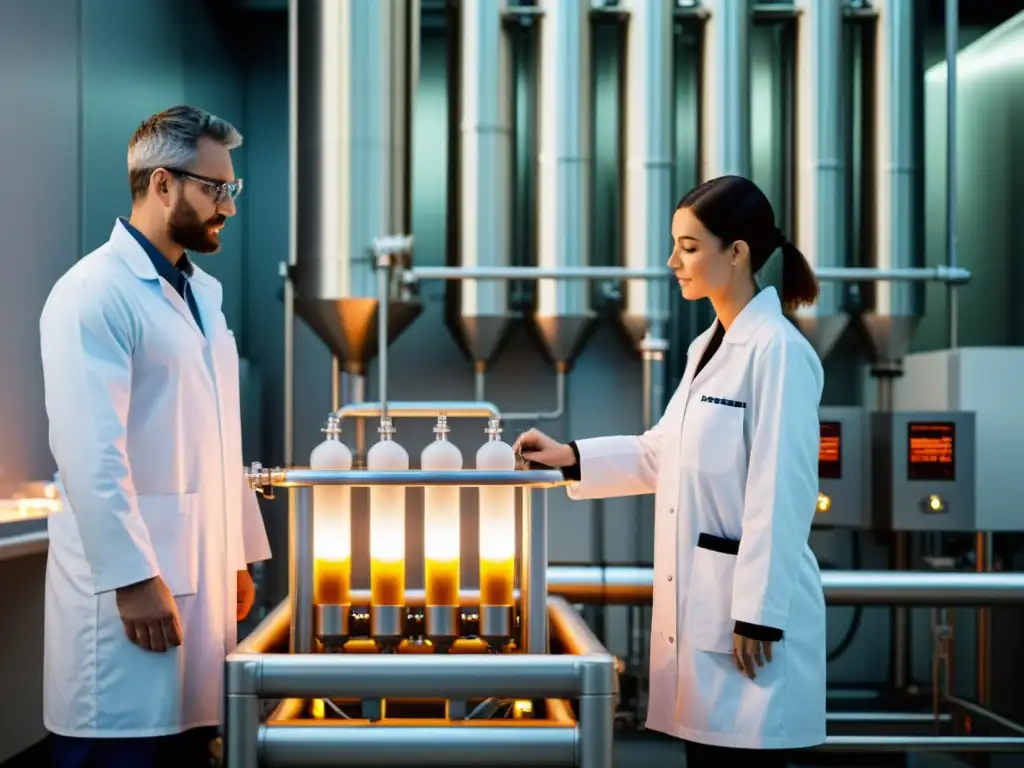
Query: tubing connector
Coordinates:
[442,429]
[333,427]
[262,481]
[386,429]
[493,430]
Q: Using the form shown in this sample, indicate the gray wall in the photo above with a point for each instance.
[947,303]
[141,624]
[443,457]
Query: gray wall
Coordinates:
[109,63]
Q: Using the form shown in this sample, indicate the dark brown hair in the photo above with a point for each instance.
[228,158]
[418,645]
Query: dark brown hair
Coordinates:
[734,208]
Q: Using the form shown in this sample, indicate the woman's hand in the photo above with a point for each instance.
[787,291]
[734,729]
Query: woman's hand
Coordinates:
[534,445]
[747,652]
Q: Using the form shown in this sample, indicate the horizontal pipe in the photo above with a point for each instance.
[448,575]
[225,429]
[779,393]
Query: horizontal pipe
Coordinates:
[986,714]
[885,718]
[301,478]
[938,274]
[559,409]
[625,585]
[511,744]
[514,676]
[569,627]
[423,409]
[271,633]
[287,709]
[922,744]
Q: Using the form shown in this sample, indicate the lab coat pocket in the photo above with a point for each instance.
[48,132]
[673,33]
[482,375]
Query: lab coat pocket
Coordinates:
[709,622]
[712,435]
[173,524]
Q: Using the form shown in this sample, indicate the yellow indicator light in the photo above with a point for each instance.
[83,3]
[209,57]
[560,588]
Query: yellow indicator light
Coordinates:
[522,708]
[935,503]
[824,503]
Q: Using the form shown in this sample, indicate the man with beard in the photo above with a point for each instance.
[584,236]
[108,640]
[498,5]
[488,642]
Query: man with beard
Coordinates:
[147,575]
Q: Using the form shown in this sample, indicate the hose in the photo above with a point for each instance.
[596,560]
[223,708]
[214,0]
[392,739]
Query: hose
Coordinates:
[858,610]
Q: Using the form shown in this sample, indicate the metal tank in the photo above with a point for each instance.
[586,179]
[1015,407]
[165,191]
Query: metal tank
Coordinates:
[892,310]
[822,174]
[725,101]
[647,197]
[357,66]
[564,97]
[482,169]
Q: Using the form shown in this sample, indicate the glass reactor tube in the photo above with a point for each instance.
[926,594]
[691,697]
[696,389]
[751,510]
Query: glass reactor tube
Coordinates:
[497,537]
[332,544]
[441,521]
[387,536]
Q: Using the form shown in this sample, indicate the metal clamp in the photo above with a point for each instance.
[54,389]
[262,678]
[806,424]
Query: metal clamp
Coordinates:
[262,481]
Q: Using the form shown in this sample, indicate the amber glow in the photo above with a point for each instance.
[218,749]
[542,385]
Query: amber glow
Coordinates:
[497,545]
[441,545]
[332,545]
[387,545]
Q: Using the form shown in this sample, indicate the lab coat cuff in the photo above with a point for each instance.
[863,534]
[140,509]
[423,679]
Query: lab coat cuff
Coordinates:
[124,572]
[572,472]
[758,632]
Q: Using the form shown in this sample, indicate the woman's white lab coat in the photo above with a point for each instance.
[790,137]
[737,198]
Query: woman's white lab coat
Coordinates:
[145,428]
[734,457]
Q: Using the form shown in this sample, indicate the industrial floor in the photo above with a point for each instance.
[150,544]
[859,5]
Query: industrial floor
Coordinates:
[631,750]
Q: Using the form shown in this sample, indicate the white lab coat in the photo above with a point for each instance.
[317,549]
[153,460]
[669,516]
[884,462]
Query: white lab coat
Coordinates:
[735,456]
[146,431]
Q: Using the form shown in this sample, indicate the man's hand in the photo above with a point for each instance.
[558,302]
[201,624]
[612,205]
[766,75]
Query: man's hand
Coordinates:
[747,652]
[150,615]
[535,446]
[246,594]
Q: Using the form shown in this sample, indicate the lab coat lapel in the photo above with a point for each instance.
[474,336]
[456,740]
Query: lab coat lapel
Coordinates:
[128,248]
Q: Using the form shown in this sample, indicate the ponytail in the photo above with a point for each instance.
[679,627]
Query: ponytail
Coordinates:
[799,283]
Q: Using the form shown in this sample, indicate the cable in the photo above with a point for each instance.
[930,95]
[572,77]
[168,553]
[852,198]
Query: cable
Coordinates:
[858,610]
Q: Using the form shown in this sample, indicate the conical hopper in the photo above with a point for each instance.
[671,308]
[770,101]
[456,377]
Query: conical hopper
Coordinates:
[889,336]
[349,326]
[562,337]
[822,331]
[480,337]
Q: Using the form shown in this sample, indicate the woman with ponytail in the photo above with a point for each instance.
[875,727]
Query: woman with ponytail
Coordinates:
[738,626]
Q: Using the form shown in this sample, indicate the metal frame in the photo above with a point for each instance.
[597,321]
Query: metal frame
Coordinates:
[252,673]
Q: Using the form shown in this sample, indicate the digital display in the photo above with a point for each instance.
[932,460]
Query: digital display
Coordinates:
[830,451]
[931,450]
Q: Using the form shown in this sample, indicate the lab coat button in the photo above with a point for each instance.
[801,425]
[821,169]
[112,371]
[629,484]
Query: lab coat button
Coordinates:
[671,640]
[671,511]
[670,578]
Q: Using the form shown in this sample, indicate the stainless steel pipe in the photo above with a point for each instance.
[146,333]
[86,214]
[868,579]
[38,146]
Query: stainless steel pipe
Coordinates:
[625,585]
[939,274]
[414,676]
[309,745]
[922,744]
[423,409]
[307,478]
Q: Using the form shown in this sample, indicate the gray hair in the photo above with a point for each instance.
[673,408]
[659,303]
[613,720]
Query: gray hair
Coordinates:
[168,139]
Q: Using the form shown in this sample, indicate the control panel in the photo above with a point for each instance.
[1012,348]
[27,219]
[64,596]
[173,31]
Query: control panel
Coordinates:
[842,469]
[922,469]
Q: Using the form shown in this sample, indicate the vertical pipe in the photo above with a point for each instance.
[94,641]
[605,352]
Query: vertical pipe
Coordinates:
[525,587]
[300,570]
[596,730]
[983,562]
[293,213]
[725,100]
[335,384]
[357,383]
[383,297]
[241,731]
[821,183]
[952,49]
[537,639]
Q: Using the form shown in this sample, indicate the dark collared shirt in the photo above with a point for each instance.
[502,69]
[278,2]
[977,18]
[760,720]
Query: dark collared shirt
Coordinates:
[176,275]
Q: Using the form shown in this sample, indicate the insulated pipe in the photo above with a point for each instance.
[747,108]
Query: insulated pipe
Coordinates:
[647,178]
[725,105]
[821,209]
[940,274]
[564,157]
[952,49]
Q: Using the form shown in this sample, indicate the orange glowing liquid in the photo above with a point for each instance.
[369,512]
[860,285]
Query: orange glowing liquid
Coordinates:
[387,583]
[497,579]
[442,582]
[331,582]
